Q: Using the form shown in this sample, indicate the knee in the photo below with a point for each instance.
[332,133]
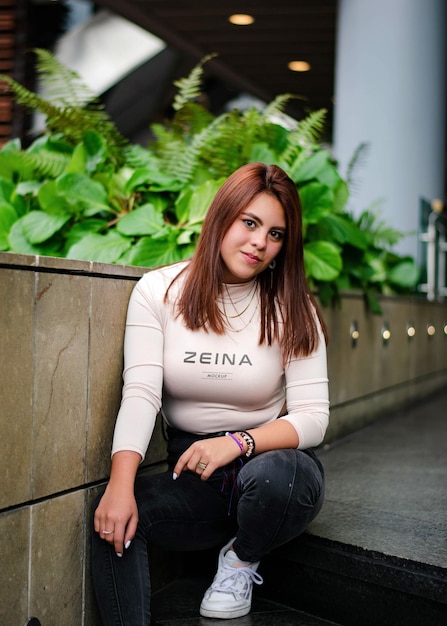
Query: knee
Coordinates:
[284,474]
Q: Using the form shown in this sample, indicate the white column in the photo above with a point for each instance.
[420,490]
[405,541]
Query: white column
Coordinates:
[390,91]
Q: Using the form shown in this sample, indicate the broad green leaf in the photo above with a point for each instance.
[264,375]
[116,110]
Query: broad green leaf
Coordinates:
[142,221]
[78,161]
[11,164]
[322,260]
[81,229]
[341,196]
[6,190]
[28,187]
[39,226]
[7,218]
[80,188]
[185,237]
[343,230]
[263,153]
[153,253]
[56,143]
[405,274]
[316,200]
[139,178]
[19,243]
[379,274]
[95,150]
[21,204]
[192,205]
[363,273]
[52,201]
[310,169]
[182,205]
[164,232]
[159,201]
[11,146]
[327,293]
[106,248]
[200,175]
[153,180]
[40,143]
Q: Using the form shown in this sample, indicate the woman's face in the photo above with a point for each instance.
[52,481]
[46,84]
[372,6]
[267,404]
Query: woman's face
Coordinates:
[253,240]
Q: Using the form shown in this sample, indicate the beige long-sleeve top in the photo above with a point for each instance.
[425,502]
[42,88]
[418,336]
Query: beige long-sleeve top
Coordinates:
[205,383]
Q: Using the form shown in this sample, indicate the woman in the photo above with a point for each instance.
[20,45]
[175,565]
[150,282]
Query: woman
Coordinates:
[219,344]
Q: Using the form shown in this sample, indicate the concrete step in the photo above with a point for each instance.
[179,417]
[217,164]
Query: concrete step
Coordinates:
[352,586]
[377,552]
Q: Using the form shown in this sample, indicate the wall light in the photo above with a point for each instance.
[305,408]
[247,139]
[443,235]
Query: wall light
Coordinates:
[299,66]
[386,334]
[431,330]
[411,331]
[354,332]
[241,19]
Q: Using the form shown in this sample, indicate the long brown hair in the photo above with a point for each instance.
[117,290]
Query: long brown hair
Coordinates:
[286,296]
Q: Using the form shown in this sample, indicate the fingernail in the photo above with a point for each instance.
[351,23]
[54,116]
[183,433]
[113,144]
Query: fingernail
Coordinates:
[127,544]
[119,554]
[174,476]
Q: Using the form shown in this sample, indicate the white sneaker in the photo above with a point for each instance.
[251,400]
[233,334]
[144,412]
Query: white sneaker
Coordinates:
[230,593]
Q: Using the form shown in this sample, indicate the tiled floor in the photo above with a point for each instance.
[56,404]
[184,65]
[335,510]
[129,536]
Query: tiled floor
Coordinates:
[177,605]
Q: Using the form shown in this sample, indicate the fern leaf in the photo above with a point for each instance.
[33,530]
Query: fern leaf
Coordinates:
[136,156]
[277,106]
[191,119]
[60,84]
[190,87]
[178,159]
[310,128]
[380,233]
[72,122]
[46,163]
[357,161]
[305,137]
[43,163]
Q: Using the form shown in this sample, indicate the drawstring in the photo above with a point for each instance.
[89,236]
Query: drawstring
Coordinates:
[232,480]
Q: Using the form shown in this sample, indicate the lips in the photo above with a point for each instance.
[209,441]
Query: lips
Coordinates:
[251,258]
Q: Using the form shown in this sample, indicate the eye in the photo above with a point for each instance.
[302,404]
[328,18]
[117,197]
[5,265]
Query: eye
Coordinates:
[278,235]
[249,223]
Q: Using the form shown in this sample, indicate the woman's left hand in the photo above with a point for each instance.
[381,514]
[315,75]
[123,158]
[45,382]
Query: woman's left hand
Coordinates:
[206,455]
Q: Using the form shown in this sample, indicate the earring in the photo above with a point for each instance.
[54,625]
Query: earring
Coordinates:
[272,266]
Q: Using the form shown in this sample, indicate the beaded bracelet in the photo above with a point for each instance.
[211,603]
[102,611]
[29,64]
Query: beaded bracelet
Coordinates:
[251,447]
[239,443]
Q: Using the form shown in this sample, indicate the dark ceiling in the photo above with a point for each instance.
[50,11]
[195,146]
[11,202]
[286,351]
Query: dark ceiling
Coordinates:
[251,59]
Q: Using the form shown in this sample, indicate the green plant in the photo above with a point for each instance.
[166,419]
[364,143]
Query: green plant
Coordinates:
[81,191]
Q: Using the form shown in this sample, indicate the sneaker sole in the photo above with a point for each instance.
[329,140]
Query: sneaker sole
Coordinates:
[224,614]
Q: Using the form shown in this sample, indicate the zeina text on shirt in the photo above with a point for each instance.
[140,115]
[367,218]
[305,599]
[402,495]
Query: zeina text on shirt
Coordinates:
[216,358]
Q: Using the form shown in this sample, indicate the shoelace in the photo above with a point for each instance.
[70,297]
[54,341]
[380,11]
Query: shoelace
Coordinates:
[236,580]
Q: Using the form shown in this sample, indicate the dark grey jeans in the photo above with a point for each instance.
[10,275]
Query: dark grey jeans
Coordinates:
[263,502]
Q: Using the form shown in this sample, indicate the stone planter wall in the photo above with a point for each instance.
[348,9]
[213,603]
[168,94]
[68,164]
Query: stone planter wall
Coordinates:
[62,325]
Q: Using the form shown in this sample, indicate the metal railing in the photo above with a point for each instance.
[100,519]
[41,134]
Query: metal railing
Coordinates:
[435,250]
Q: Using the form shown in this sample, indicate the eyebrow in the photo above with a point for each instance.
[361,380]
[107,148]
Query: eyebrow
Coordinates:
[257,219]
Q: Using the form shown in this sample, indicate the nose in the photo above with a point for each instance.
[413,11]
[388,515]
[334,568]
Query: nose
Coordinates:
[259,240]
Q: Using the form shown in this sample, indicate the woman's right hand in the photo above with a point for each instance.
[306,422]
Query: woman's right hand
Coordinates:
[116,517]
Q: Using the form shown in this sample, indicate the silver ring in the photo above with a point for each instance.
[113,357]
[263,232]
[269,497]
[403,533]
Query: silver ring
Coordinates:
[202,465]
[107,532]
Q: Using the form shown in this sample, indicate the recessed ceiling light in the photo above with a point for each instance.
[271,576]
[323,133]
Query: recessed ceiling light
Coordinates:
[299,66]
[241,19]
